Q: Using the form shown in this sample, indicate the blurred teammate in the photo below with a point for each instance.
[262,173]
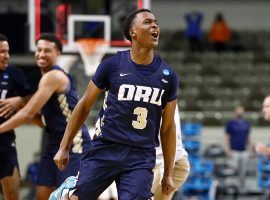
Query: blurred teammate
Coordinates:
[140,89]
[55,99]
[13,83]
[181,166]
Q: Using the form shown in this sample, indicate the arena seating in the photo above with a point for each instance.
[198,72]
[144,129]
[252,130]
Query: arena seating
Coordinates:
[212,84]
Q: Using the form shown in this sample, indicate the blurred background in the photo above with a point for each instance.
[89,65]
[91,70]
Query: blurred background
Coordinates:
[220,50]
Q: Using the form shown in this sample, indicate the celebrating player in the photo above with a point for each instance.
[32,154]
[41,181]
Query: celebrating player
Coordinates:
[140,90]
[55,99]
[13,83]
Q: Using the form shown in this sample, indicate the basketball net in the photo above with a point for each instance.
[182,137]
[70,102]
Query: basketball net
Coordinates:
[91,51]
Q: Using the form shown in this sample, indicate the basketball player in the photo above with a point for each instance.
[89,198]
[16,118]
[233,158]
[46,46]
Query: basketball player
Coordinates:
[181,166]
[55,98]
[12,83]
[180,172]
[140,90]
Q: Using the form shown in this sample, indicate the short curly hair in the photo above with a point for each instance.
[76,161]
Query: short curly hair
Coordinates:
[128,22]
[3,38]
[52,38]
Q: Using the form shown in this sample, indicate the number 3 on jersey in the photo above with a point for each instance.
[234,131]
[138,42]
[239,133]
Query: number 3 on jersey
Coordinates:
[141,121]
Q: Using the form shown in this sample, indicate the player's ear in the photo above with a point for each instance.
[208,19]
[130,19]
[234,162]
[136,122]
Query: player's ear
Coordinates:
[132,33]
[58,52]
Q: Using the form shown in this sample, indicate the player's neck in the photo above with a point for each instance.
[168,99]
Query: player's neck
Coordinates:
[142,56]
[44,70]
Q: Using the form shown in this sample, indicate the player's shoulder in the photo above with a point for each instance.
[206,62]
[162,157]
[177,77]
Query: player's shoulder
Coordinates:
[13,69]
[57,69]
[112,60]
[167,69]
[55,74]
[166,65]
[109,64]
[12,72]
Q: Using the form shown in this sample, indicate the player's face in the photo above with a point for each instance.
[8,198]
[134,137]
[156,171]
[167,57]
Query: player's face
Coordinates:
[266,108]
[4,54]
[46,54]
[145,29]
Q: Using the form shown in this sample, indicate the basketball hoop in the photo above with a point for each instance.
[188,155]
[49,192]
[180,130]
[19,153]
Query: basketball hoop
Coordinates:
[91,51]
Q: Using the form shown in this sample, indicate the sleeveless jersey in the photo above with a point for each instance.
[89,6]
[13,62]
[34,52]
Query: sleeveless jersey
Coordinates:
[56,113]
[133,103]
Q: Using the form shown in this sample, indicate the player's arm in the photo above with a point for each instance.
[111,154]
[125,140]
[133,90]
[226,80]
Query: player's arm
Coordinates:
[49,83]
[8,106]
[168,142]
[76,121]
[11,105]
[38,121]
[79,114]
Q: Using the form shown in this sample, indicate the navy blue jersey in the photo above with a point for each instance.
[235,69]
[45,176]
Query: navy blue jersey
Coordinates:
[57,112]
[12,83]
[134,102]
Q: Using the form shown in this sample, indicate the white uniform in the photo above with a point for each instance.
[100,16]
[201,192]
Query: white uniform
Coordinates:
[181,168]
[180,151]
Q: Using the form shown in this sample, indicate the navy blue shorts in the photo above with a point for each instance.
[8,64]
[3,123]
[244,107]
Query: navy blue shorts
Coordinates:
[8,161]
[49,175]
[130,167]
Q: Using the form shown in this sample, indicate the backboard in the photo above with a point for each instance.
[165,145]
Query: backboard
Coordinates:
[72,20]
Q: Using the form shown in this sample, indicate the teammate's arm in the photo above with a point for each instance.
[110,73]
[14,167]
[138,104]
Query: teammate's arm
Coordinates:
[76,121]
[168,142]
[8,106]
[38,121]
[49,83]
[11,105]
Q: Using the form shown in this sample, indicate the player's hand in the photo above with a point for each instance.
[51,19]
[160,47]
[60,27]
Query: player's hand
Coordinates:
[9,106]
[167,185]
[61,159]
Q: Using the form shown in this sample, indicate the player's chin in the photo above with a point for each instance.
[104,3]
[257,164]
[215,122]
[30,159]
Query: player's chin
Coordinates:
[154,44]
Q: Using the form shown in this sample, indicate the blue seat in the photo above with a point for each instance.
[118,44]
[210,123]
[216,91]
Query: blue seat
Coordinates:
[191,129]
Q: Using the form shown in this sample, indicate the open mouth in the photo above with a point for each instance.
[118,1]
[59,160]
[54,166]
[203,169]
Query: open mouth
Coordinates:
[154,35]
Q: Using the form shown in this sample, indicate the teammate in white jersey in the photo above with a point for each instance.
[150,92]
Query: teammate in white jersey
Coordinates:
[181,167]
